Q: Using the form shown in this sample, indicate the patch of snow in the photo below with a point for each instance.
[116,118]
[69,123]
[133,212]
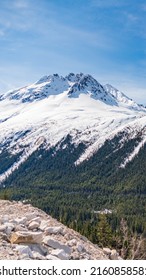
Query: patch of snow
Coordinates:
[134,153]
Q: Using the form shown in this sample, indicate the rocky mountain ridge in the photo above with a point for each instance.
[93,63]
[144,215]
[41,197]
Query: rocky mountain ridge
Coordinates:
[28,233]
[73,84]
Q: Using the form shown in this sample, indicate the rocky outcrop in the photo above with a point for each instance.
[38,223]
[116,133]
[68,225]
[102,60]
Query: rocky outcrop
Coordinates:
[29,233]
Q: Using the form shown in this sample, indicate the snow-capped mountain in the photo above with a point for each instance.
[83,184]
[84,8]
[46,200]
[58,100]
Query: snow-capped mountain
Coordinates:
[122,99]
[73,84]
[45,113]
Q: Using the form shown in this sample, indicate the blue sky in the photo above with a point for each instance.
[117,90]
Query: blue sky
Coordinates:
[105,38]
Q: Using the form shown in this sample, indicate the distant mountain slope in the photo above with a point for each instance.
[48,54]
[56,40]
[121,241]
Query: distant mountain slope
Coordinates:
[122,99]
[45,112]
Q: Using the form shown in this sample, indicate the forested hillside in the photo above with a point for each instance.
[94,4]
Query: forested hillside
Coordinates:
[76,194]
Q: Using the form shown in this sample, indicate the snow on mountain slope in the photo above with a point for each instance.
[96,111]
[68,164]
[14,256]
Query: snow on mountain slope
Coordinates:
[47,85]
[88,85]
[47,111]
[122,99]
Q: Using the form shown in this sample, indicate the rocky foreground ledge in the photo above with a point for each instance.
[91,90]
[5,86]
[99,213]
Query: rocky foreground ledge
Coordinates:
[27,232]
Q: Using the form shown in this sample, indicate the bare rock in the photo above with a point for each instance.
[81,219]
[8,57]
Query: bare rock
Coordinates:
[72,242]
[80,247]
[36,219]
[56,244]
[53,230]
[20,221]
[52,258]
[26,237]
[5,219]
[3,228]
[75,256]
[107,251]
[24,250]
[42,250]
[30,216]
[7,228]
[114,255]
[33,225]
[61,254]
[20,228]
[44,224]
[28,233]
[37,256]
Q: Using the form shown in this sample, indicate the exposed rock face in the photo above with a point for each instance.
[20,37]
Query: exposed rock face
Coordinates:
[29,233]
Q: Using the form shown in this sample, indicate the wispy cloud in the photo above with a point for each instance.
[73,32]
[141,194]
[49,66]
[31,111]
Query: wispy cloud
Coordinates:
[132,22]
[135,24]
[132,17]
[49,26]
[70,35]
[15,15]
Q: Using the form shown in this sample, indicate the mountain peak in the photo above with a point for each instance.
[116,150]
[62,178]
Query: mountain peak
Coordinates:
[50,78]
[73,85]
[119,95]
[122,99]
[89,86]
[72,77]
